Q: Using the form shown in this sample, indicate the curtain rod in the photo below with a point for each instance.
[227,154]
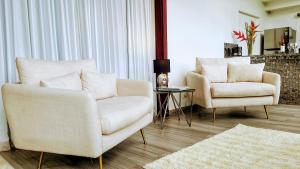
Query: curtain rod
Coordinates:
[248,14]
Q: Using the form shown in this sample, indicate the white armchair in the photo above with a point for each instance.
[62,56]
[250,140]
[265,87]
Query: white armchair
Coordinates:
[73,122]
[214,95]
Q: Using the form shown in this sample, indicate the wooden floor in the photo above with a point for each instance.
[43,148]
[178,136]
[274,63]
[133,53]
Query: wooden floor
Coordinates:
[132,153]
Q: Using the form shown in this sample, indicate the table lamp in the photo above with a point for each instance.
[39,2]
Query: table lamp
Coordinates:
[161,68]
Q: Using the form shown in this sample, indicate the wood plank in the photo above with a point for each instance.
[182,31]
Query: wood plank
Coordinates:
[176,135]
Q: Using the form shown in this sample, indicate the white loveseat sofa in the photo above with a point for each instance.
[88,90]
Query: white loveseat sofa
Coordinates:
[232,94]
[72,122]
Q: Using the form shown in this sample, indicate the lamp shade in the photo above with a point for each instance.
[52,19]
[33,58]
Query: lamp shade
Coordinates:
[161,65]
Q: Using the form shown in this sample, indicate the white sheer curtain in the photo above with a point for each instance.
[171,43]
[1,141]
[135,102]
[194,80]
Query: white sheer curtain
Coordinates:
[118,34]
[141,39]
[69,29]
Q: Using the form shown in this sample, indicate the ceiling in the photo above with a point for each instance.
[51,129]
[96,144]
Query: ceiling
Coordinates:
[274,5]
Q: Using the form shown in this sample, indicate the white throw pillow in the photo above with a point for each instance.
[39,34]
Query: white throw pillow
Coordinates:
[101,86]
[215,72]
[245,72]
[201,61]
[69,81]
[32,71]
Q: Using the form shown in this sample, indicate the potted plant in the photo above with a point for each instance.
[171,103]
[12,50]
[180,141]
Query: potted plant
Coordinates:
[250,36]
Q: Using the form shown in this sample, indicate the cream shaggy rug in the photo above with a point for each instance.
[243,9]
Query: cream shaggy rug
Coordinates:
[4,164]
[241,147]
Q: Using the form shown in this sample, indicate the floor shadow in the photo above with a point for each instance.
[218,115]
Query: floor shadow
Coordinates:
[240,115]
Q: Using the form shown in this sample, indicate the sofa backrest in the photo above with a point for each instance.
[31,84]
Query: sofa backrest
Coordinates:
[32,71]
[200,61]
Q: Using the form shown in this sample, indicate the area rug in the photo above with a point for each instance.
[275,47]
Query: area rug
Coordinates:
[4,164]
[241,147]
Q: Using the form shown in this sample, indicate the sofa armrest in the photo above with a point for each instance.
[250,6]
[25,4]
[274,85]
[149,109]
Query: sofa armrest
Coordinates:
[273,79]
[52,120]
[134,88]
[201,83]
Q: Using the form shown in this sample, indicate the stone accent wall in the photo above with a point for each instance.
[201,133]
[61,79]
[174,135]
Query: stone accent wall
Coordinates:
[288,66]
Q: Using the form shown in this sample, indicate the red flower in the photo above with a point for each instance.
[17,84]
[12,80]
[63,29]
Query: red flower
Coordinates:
[239,35]
[250,33]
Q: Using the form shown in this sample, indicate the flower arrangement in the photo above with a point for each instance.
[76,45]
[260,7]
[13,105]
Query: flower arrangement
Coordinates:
[249,37]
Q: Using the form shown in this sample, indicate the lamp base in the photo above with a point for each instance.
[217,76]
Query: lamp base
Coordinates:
[162,80]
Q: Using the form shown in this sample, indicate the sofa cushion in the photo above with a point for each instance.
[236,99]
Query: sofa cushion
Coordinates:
[238,60]
[215,72]
[241,89]
[32,71]
[69,81]
[119,112]
[245,72]
[101,86]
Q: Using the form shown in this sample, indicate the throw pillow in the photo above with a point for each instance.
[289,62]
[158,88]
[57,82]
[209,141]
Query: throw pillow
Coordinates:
[215,72]
[69,81]
[32,71]
[101,86]
[245,72]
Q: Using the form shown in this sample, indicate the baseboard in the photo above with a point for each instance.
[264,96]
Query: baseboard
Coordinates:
[4,146]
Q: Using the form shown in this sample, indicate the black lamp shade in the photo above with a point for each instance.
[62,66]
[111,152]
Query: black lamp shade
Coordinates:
[161,65]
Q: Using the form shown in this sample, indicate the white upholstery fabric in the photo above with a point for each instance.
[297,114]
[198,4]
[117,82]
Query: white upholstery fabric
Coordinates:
[275,80]
[111,140]
[213,95]
[245,72]
[215,72]
[201,61]
[52,120]
[134,88]
[33,71]
[101,86]
[117,113]
[243,101]
[69,122]
[241,89]
[202,95]
[70,81]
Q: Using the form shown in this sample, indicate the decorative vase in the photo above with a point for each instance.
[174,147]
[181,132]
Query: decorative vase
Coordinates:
[250,49]
[282,48]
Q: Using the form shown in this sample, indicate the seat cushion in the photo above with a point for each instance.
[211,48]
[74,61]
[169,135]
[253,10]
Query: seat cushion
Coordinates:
[241,89]
[119,112]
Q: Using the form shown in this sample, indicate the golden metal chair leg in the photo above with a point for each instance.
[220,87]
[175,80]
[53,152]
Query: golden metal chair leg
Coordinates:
[142,133]
[265,107]
[100,162]
[41,160]
[214,113]
[245,109]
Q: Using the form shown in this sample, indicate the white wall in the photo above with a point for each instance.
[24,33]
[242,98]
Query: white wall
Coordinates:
[284,18]
[199,28]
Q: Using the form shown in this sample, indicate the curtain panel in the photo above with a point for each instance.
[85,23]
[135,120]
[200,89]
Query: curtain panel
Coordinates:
[118,34]
[161,29]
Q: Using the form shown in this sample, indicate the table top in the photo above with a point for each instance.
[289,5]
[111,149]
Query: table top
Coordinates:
[173,89]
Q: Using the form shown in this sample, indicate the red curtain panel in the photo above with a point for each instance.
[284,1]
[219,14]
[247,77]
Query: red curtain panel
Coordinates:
[161,29]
